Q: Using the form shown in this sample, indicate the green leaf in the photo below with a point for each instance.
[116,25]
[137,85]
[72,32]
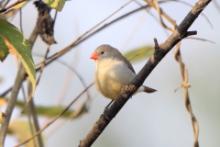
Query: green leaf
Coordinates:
[3,50]
[48,111]
[17,45]
[55,4]
[140,53]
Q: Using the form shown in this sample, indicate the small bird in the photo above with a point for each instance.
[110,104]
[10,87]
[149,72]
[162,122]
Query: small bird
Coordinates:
[113,71]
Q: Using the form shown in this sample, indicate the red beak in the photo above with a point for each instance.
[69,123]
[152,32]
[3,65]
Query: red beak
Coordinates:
[94,56]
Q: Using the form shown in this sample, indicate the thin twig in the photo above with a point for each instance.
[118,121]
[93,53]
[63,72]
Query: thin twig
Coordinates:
[185,86]
[32,107]
[56,118]
[201,39]
[217,5]
[183,72]
[32,110]
[90,31]
[73,70]
[170,42]
[28,115]
[11,104]
[4,3]
[21,20]
[162,14]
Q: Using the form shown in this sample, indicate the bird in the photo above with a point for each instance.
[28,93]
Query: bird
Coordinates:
[113,71]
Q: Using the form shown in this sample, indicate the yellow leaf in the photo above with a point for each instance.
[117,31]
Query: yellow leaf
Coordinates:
[139,53]
[55,4]
[21,130]
[27,65]
[2,117]
[2,101]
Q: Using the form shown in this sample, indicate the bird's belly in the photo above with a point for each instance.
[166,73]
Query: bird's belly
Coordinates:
[111,76]
[110,87]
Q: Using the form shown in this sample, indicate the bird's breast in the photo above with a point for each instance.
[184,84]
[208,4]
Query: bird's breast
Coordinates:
[108,78]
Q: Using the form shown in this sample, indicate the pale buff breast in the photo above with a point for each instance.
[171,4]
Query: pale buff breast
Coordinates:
[111,75]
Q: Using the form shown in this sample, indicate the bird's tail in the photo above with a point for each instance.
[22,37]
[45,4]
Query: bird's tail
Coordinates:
[146,89]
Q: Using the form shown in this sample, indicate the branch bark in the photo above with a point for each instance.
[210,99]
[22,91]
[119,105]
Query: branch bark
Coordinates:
[161,50]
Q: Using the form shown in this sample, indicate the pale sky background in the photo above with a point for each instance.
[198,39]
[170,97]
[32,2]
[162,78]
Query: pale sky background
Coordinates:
[155,120]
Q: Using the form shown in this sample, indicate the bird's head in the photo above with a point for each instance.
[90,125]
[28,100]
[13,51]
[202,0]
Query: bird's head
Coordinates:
[105,51]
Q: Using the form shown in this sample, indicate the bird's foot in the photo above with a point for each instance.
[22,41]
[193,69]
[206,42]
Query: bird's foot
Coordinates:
[108,106]
[129,88]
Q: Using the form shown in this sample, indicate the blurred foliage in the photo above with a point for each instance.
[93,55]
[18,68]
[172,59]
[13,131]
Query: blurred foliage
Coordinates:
[13,41]
[2,117]
[12,10]
[47,111]
[2,101]
[139,53]
[3,50]
[55,4]
[21,130]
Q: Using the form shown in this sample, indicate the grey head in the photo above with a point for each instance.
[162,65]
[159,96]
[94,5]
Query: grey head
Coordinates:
[107,51]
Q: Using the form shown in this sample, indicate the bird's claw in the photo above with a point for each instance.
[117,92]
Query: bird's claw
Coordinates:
[108,106]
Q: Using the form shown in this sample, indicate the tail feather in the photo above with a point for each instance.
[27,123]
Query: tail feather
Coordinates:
[148,89]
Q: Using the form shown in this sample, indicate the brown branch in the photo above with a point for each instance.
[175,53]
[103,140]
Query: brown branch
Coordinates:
[165,47]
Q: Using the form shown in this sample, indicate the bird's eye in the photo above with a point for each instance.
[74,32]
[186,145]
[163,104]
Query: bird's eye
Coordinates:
[102,52]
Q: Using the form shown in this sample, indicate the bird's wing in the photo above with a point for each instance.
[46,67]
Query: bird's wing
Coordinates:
[123,59]
[121,72]
[128,64]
